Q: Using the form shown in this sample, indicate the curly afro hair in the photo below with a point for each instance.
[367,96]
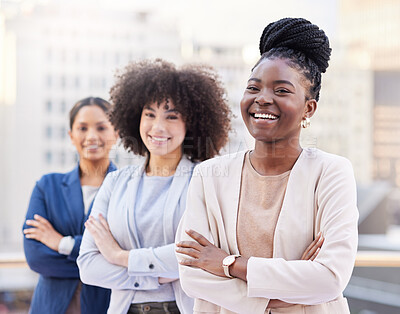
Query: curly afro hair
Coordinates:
[196,93]
[303,44]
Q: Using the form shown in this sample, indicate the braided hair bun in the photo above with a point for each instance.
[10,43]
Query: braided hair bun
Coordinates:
[300,35]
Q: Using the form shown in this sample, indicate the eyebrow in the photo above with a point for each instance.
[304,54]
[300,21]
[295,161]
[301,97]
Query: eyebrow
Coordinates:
[97,123]
[275,82]
[167,111]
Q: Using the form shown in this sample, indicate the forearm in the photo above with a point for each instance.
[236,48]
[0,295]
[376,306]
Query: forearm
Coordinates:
[200,284]
[48,262]
[155,262]
[239,268]
[96,270]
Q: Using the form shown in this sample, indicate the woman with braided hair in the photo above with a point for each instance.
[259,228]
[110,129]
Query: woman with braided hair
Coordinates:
[241,239]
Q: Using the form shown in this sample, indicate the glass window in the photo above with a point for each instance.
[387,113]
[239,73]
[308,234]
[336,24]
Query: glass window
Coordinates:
[63,106]
[49,106]
[48,157]
[49,131]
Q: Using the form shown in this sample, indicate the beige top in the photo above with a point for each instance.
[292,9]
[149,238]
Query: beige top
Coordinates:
[260,203]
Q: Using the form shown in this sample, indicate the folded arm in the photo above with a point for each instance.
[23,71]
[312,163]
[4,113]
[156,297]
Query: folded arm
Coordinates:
[103,262]
[41,241]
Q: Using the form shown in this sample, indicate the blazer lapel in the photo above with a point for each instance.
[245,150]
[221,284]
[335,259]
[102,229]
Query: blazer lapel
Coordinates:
[132,188]
[72,193]
[233,188]
[111,167]
[179,182]
[290,233]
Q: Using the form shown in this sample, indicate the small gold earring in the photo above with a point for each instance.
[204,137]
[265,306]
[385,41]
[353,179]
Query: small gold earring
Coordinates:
[305,123]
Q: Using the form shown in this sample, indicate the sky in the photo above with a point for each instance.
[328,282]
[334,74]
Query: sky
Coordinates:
[225,21]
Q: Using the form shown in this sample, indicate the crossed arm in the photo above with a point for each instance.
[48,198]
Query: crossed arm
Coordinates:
[202,254]
[108,247]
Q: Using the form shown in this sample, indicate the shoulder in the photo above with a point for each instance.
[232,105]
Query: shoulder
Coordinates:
[325,166]
[124,174]
[317,157]
[216,165]
[50,179]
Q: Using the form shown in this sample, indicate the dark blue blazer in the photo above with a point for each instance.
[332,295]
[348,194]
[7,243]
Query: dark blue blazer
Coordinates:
[58,198]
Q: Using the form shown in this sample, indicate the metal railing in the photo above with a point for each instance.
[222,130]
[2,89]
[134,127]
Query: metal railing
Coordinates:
[363,259]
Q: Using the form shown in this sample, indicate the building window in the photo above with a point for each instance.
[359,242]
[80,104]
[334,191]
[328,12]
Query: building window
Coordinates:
[49,131]
[48,157]
[63,106]
[63,132]
[63,158]
[49,106]
[63,82]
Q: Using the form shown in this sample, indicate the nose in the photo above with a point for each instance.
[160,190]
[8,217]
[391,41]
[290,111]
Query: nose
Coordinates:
[264,98]
[92,135]
[159,124]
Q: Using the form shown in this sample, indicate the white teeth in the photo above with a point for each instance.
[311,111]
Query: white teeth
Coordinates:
[265,116]
[160,139]
[92,147]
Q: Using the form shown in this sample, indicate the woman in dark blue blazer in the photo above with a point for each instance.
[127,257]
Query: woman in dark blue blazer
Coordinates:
[59,206]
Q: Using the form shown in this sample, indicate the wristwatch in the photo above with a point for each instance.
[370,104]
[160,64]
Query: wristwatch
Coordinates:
[228,261]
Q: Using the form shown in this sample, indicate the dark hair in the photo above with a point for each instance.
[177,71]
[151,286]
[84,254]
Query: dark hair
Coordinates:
[89,101]
[196,93]
[302,43]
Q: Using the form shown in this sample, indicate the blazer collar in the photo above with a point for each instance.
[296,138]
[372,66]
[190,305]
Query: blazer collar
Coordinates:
[181,178]
[180,181]
[73,176]
[72,192]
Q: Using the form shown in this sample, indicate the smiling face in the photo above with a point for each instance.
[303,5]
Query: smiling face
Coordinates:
[162,129]
[274,102]
[92,134]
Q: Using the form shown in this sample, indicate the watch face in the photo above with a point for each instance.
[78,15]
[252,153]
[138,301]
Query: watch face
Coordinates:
[229,260]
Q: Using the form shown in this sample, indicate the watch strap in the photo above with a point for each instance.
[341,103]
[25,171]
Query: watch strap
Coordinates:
[225,264]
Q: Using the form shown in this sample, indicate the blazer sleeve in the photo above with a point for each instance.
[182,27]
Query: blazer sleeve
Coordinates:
[228,293]
[154,262]
[325,278]
[39,257]
[94,268]
[75,250]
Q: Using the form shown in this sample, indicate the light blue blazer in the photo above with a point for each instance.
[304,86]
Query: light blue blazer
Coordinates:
[115,201]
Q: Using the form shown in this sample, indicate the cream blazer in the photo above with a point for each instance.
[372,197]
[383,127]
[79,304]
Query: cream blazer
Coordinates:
[320,196]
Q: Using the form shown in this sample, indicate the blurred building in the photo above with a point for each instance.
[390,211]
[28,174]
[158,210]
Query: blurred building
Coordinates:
[371,32]
[229,61]
[342,123]
[52,55]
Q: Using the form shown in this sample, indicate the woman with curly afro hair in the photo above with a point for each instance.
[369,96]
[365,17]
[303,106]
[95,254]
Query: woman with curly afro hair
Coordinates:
[174,117]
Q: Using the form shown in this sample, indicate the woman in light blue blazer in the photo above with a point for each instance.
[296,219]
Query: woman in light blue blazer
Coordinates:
[59,205]
[174,117]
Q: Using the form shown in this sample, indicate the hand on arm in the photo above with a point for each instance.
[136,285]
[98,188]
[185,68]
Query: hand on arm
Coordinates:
[43,231]
[105,241]
[203,254]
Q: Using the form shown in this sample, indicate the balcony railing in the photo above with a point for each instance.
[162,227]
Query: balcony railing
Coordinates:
[363,259]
